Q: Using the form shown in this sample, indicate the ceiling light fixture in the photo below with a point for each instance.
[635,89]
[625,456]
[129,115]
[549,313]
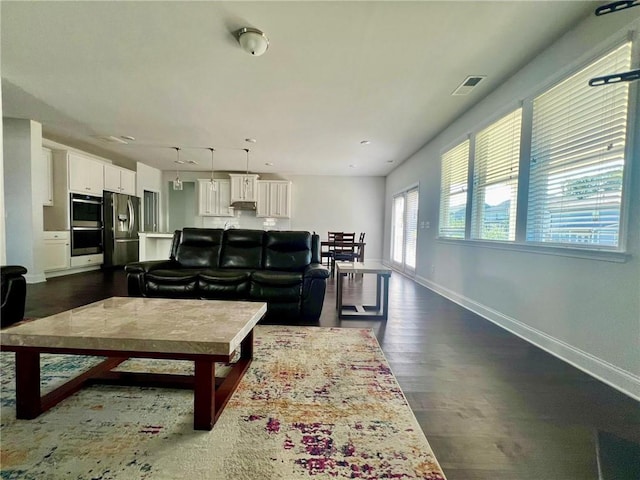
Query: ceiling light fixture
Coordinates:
[365,142]
[252,41]
[177,183]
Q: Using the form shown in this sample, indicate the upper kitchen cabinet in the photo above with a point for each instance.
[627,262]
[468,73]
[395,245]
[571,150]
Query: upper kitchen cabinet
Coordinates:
[214,202]
[119,180]
[85,174]
[274,199]
[244,187]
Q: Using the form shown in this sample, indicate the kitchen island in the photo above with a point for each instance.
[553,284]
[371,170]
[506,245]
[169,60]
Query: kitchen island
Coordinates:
[155,245]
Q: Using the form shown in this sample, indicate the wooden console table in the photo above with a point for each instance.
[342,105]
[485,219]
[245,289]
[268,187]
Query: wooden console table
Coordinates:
[380,310]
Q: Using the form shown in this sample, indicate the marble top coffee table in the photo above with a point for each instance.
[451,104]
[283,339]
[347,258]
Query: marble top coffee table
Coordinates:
[203,331]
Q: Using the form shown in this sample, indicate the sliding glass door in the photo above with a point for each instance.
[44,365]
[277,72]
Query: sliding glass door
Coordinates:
[404,234]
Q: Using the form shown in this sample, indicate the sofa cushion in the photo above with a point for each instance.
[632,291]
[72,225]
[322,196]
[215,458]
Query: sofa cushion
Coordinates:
[199,247]
[287,251]
[223,284]
[242,249]
[171,283]
[276,286]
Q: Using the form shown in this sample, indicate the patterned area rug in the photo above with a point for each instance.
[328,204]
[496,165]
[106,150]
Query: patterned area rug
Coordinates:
[315,403]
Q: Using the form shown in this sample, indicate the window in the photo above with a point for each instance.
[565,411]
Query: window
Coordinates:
[453,191]
[495,179]
[571,178]
[405,229]
[397,248]
[578,157]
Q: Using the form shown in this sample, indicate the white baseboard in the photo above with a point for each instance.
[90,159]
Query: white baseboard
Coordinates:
[35,277]
[618,378]
[71,271]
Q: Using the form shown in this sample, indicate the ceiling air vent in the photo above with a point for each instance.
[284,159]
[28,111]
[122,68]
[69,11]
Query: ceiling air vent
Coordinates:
[469,84]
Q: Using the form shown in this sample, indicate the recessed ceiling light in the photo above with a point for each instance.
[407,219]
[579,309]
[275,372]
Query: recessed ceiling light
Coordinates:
[353,165]
[365,142]
[269,164]
[390,161]
[192,162]
[250,140]
[128,138]
[179,161]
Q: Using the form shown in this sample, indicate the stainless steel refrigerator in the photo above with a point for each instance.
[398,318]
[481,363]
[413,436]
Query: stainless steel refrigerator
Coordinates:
[121,225]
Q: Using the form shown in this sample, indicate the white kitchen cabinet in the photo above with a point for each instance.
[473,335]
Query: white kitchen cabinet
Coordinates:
[214,203]
[274,199]
[56,251]
[119,180]
[47,165]
[244,187]
[85,174]
[87,260]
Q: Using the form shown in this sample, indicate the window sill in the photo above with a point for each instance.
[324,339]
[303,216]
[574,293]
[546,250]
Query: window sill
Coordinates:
[601,255]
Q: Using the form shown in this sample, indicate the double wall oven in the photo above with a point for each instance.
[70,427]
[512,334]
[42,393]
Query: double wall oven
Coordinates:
[86,224]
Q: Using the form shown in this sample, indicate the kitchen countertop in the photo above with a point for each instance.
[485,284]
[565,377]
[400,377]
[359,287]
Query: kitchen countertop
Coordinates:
[156,234]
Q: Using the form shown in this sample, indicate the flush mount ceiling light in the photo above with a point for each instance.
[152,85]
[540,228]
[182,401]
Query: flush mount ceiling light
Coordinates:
[252,41]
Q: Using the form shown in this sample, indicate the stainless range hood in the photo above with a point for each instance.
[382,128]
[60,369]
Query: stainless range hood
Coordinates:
[244,206]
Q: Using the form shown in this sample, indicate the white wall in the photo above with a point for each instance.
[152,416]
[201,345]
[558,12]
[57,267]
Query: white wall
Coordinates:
[583,310]
[3,230]
[349,204]
[23,172]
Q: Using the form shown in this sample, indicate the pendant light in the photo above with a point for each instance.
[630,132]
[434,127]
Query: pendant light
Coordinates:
[177,183]
[246,179]
[212,183]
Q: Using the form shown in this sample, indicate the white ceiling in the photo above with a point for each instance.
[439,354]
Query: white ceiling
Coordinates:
[336,73]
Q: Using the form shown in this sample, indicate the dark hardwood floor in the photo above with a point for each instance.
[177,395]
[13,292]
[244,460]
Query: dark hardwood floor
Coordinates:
[491,405]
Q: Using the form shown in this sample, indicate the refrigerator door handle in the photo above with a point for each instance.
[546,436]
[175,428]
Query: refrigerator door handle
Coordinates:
[132,215]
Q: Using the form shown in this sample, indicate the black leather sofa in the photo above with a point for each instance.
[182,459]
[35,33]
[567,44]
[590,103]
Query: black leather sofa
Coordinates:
[281,268]
[14,294]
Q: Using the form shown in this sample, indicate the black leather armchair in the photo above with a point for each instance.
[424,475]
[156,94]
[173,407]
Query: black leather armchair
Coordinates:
[281,268]
[14,294]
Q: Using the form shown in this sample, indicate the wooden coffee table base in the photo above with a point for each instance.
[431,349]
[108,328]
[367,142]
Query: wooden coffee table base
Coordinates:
[209,398]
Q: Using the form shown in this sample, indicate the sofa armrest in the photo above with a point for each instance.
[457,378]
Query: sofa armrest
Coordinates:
[136,272]
[150,266]
[314,285]
[316,270]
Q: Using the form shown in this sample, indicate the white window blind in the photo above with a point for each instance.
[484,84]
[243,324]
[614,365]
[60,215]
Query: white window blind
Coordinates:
[453,191]
[495,179]
[411,228]
[397,252]
[578,157]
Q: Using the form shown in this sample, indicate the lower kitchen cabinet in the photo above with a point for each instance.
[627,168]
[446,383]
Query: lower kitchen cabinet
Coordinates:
[56,251]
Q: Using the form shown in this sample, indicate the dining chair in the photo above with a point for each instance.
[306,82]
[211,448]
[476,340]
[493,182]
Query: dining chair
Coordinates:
[331,238]
[344,249]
